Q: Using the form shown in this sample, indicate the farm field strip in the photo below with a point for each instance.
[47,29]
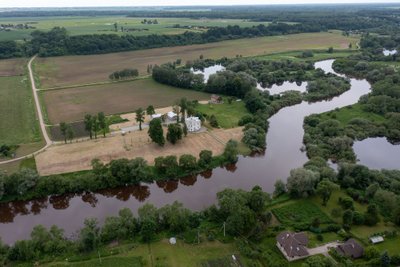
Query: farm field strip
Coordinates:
[17,116]
[78,25]
[72,104]
[75,70]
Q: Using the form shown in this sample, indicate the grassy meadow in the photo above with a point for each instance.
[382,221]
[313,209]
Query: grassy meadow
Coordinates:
[78,25]
[346,114]
[228,115]
[77,70]
[161,253]
[18,123]
[72,104]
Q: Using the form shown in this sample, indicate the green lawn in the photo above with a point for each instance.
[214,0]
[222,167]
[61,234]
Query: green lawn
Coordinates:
[77,25]
[228,115]
[18,123]
[161,253]
[301,212]
[318,55]
[346,114]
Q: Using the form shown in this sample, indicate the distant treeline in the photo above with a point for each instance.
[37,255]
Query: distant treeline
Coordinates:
[57,42]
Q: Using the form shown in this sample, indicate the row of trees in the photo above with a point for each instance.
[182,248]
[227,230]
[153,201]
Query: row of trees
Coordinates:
[26,184]
[124,74]
[95,124]
[58,42]
[239,210]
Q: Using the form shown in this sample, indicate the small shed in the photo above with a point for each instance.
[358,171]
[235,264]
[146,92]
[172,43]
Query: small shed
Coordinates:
[376,239]
[171,115]
[172,241]
[216,99]
[156,116]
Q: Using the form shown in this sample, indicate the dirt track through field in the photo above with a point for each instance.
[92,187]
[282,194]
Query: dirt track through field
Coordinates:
[78,156]
[70,70]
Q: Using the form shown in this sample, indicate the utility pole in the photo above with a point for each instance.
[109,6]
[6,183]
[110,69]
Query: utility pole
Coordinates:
[99,257]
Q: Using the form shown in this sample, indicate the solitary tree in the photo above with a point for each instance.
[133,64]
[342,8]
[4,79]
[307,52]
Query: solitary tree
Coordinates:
[231,151]
[156,132]
[174,133]
[63,129]
[70,133]
[177,109]
[116,26]
[89,124]
[280,188]
[95,125]
[140,117]
[183,105]
[150,110]
[102,122]
[325,189]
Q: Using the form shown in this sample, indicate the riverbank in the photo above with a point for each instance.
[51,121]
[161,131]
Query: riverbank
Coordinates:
[284,139]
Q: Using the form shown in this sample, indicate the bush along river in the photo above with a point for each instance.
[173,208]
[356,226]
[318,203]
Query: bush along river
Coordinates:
[284,141]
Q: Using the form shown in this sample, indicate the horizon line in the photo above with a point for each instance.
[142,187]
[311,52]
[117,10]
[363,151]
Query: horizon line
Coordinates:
[206,5]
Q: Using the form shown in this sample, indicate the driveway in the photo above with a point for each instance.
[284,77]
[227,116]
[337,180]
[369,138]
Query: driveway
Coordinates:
[323,249]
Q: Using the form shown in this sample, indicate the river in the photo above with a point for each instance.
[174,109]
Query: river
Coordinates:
[284,140]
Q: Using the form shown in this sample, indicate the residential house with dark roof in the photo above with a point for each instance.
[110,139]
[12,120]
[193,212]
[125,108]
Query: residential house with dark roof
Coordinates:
[292,245]
[351,248]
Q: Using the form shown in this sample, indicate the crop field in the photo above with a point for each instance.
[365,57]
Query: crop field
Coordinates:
[12,67]
[72,104]
[17,116]
[77,25]
[74,70]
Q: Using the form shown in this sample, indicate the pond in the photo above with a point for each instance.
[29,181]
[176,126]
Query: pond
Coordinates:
[274,89]
[285,86]
[283,153]
[387,52]
[208,71]
[377,153]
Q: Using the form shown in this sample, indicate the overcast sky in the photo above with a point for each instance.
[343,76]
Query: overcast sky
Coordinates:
[81,3]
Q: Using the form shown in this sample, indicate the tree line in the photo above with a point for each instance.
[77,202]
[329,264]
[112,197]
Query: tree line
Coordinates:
[57,42]
[26,184]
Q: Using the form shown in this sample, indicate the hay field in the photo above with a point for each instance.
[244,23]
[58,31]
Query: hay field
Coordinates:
[12,67]
[17,113]
[73,70]
[78,25]
[72,104]
[78,156]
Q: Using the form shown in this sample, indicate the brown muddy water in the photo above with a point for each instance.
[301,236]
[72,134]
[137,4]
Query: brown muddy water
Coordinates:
[284,140]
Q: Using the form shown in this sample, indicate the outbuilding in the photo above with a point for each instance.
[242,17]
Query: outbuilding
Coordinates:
[171,115]
[376,239]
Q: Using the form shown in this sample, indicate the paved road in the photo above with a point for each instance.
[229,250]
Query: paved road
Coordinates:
[40,117]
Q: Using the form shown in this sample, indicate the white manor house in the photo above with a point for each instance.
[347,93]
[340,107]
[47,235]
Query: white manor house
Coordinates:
[193,124]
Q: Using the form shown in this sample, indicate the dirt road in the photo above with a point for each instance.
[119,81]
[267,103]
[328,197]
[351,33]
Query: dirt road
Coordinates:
[39,114]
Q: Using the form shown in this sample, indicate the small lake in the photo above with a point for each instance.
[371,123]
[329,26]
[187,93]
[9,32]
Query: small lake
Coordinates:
[377,153]
[387,52]
[283,153]
[208,71]
[276,89]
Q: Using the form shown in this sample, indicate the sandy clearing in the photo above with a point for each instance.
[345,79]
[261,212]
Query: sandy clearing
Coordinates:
[78,156]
